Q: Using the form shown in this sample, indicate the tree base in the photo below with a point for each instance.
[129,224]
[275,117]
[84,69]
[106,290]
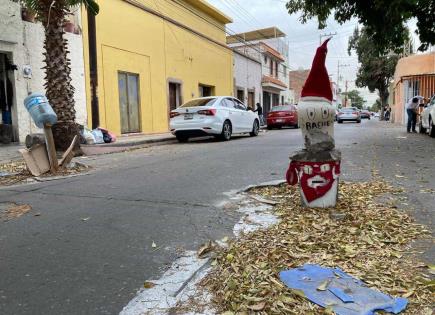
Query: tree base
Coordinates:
[64,133]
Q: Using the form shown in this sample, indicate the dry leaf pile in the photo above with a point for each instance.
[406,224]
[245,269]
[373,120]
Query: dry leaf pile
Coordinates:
[365,238]
[14,211]
[16,172]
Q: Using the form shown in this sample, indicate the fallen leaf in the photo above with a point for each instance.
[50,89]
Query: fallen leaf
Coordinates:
[148,285]
[85,219]
[408,294]
[323,286]
[257,307]
[205,249]
[153,245]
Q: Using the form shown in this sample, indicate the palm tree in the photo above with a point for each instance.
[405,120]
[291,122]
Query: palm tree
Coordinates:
[59,90]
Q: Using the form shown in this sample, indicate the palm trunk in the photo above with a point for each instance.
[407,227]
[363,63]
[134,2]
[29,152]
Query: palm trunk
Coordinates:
[59,89]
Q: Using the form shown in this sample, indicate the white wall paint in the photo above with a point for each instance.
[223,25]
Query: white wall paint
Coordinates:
[247,75]
[23,42]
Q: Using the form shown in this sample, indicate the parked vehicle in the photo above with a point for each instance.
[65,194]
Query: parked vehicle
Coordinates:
[218,116]
[365,114]
[349,114]
[427,118]
[282,115]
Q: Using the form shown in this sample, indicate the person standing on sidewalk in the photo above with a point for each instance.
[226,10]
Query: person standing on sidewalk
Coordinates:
[411,110]
[259,111]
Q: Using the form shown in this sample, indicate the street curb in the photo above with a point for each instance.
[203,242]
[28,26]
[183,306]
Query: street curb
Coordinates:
[130,144]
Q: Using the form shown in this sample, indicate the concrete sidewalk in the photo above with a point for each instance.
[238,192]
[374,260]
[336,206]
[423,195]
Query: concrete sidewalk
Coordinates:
[9,152]
[128,142]
[124,143]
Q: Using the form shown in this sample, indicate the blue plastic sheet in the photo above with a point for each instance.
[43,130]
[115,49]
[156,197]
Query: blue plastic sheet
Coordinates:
[345,295]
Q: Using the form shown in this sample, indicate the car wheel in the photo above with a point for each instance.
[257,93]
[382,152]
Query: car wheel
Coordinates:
[421,129]
[340,121]
[279,127]
[255,129]
[182,138]
[297,126]
[431,128]
[269,127]
[226,131]
[358,121]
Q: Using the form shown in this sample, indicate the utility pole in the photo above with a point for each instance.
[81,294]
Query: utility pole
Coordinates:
[338,77]
[325,35]
[345,96]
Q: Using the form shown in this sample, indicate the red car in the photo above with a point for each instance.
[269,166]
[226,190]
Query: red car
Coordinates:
[282,115]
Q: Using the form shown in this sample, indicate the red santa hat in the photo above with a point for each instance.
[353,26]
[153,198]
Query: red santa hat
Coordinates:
[317,83]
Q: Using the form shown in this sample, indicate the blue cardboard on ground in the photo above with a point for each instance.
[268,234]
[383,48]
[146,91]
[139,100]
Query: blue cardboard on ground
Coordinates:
[344,294]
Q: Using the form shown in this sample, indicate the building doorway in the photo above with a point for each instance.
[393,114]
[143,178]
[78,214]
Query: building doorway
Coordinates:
[128,85]
[251,99]
[241,95]
[266,103]
[6,99]
[174,95]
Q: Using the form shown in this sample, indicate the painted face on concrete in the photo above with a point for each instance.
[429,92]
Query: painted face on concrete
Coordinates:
[316,178]
[316,114]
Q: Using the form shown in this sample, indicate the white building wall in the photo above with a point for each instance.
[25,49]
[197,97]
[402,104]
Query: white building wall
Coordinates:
[23,43]
[281,45]
[247,75]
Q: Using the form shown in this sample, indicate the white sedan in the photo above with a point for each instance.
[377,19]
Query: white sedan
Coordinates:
[427,118]
[219,116]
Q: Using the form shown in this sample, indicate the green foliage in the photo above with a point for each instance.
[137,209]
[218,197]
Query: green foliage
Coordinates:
[376,106]
[355,97]
[376,70]
[35,5]
[384,20]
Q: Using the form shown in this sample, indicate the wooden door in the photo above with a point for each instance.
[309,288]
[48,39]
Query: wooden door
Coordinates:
[251,99]
[128,85]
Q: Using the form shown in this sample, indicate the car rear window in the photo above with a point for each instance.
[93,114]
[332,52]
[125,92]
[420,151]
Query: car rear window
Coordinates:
[200,102]
[348,109]
[281,108]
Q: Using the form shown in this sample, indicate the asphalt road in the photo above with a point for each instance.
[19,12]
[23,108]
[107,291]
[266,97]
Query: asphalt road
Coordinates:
[90,249]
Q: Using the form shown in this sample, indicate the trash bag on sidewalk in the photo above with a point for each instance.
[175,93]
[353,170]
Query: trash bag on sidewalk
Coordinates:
[98,135]
[88,136]
[345,295]
[107,135]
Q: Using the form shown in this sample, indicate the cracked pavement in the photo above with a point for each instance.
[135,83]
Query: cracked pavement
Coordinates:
[90,249]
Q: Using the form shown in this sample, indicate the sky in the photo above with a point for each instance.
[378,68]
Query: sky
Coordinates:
[303,39]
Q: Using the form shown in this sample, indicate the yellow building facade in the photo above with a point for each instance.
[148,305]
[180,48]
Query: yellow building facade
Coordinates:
[153,55]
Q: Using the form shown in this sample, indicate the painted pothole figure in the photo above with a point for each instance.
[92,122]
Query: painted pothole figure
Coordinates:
[317,166]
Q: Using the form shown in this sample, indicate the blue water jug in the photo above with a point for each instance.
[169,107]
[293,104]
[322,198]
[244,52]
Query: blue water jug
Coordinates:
[38,107]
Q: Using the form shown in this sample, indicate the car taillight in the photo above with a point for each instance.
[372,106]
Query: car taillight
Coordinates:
[355,113]
[173,114]
[207,112]
[340,113]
